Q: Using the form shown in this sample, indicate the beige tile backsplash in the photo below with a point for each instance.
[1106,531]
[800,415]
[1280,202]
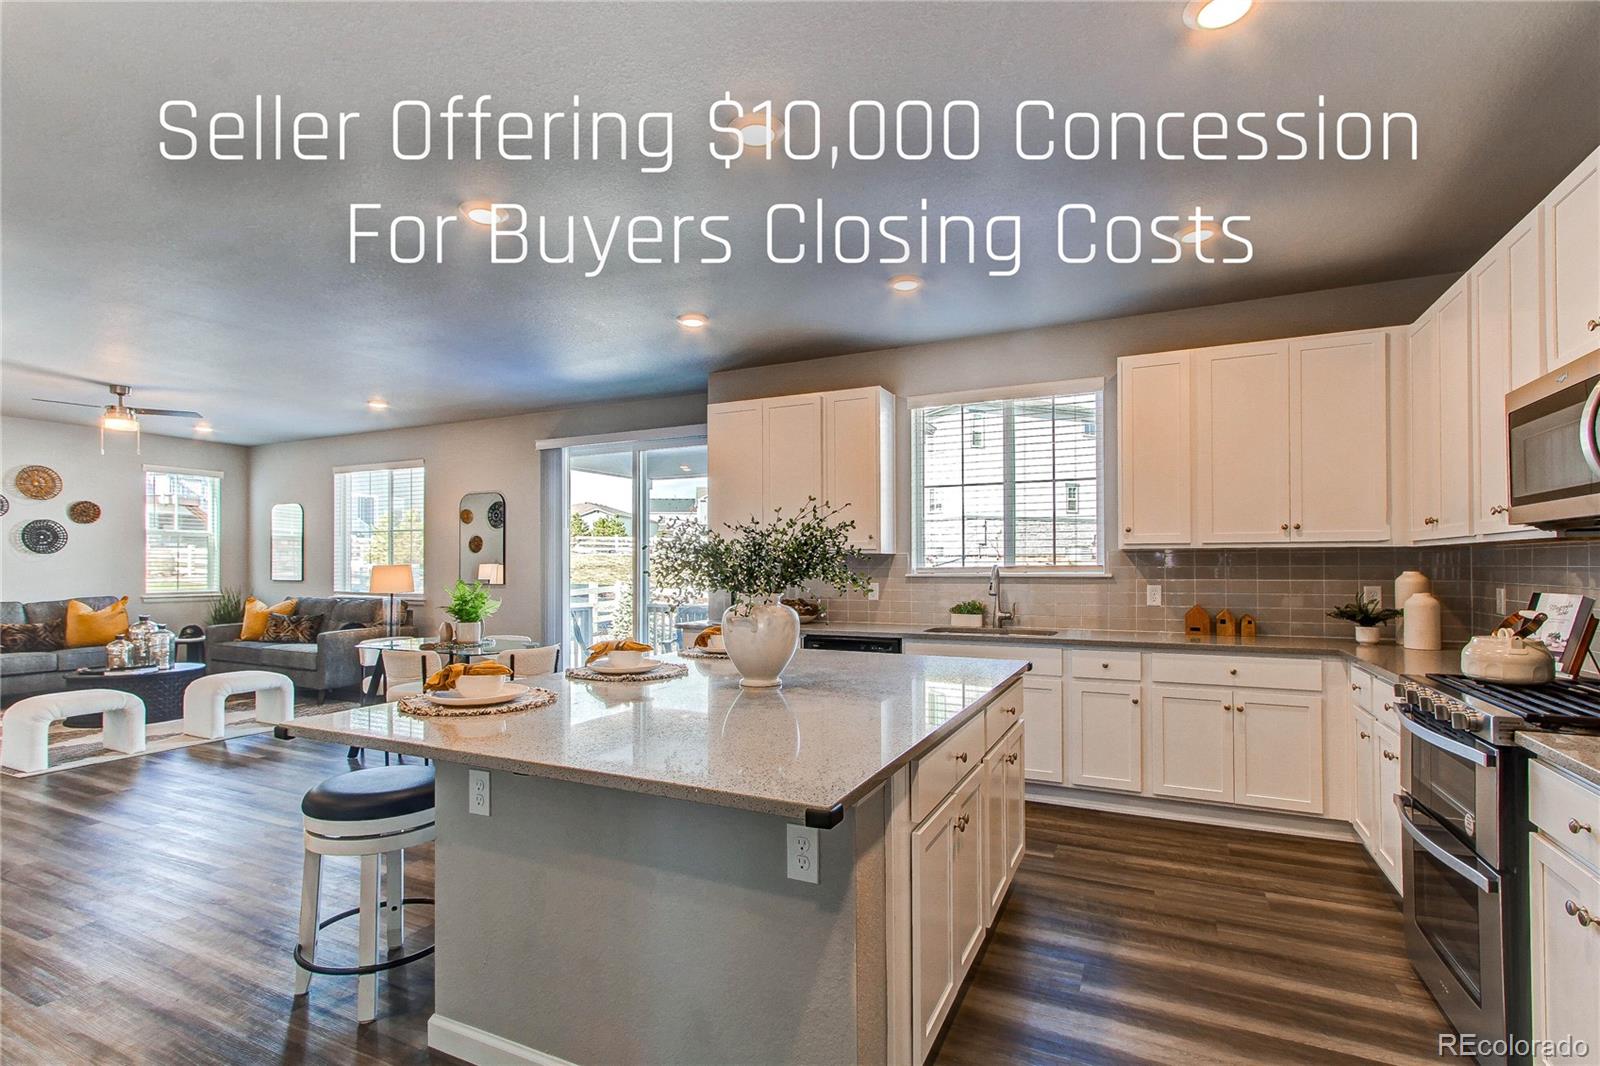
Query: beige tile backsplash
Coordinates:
[1289,590]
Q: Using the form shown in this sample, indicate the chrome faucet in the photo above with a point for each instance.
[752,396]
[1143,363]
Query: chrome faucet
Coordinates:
[1000,617]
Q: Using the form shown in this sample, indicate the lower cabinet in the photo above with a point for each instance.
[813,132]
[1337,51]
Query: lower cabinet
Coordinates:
[1364,747]
[1387,851]
[947,911]
[1191,743]
[1105,735]
[1247,747]
[1375,752]
[1565,933]
[1041,709]
[1002,818]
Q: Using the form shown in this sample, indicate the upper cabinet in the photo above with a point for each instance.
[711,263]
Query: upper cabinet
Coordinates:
[1439,377]
[781,451]
[1153,449]
[1241,421]
[1339,439]
[1572,263]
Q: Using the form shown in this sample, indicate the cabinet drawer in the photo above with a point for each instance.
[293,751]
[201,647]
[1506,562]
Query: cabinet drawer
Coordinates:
[1383,705]
[1105,665]
[1239,671]
[1566,811]
[1002,714]
[937,773]
[1361,687]
[1046,661]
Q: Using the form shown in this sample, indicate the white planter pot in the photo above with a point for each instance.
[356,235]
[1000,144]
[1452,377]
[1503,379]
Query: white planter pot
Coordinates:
[967,621]
[1368,634]
[469,632]
[761,640]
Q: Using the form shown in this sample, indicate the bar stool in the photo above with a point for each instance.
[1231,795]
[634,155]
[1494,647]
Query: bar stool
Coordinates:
[375,813]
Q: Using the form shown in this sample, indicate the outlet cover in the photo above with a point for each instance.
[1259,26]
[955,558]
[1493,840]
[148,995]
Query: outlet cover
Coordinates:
[1152,595]
[873,591]
[1371,593]
[478,792]
[802,852]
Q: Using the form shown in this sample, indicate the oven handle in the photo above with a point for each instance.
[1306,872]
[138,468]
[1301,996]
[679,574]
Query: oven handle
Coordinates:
[1587,430]
[1486,880]
[1450,744]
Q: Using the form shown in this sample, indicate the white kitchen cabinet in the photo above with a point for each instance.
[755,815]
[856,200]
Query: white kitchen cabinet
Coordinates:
[1507,299]
[733,431]
[791,450]
[1241,419]
[1387,854]
[1105,735]
[1041,713]
[1016,801]
[946,896]
[1364,752]
[1338,443]
[858,427]
[1153,449]
[1439,408]
[1191,743]
[1277,761]
[1003,800]
[1566,949]
[970,902]
[1572,263]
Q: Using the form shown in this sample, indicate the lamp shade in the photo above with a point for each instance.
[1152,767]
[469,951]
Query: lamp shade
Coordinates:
[492,573]
[393,577]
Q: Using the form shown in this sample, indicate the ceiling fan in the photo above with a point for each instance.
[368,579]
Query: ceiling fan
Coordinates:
[118,417]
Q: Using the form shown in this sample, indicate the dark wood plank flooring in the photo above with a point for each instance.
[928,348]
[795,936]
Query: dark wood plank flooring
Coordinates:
[148,906]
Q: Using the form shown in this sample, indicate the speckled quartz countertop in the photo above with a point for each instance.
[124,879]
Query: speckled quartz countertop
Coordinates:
[841,724]
[1578,754]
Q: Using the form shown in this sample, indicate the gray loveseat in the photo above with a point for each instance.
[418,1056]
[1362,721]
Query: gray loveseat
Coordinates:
[28,673]
[330,663]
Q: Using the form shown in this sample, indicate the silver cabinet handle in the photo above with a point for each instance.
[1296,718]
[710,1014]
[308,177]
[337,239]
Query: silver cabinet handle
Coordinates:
[1575,827]
[1585,919]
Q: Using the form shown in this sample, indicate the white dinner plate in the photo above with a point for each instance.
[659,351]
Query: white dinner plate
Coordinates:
[601,666]
[452,698]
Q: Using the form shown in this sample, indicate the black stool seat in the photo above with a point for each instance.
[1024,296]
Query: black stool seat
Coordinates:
[376,792]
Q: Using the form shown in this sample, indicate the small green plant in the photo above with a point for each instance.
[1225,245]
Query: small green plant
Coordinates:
[968,607]
[470,602]
[1365,613]
[227,609]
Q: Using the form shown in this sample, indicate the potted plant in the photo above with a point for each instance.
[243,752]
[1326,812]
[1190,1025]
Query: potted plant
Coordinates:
[755,563]
[1368,615]
[968,614]
[469,606]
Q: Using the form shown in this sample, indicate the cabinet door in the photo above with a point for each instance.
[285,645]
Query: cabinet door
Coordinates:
[1278,751]
[1016,802]
[857,463]
[1041,710]
[792,444]
[1388,850]
[934,970]
[1153,449]
[1455,415]
[1508,350]
[1422,425]
[1105,735]
[735,464]
[995,847]
[1364,752]
[1566,954]
[1242,442]
[970,901]
[1572,262]
[1191,743]
[1339,438]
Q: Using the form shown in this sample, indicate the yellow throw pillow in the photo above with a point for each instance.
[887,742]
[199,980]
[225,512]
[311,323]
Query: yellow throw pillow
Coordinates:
[255,617]
[87,628]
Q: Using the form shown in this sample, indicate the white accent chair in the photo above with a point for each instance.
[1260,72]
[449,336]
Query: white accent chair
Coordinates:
[25,746]
[531,662]
[205,700]
[405,671]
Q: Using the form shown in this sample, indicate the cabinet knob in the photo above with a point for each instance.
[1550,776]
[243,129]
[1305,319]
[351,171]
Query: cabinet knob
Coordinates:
[1364,734]
[1239,708]
[1585,919]
[1011,760]
[1227,706]
[1575,827]
[1105,666]
[1233,670]
[1391,756]
[1135,699]
[1127,529]
[1297,525]
[961,823]
[1594,324]
[1285,527]
[1008,710]
[1355,688]
[961,756]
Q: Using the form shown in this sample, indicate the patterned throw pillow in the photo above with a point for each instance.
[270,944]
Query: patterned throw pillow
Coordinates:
[34,636]
[293,628]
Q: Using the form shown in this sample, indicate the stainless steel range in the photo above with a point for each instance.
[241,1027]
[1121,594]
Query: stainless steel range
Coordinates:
[1464,789]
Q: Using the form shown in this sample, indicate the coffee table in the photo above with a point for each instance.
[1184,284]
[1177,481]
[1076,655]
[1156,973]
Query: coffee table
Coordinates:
[161,690]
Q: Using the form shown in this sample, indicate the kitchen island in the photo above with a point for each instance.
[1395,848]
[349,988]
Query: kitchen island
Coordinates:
[629,898]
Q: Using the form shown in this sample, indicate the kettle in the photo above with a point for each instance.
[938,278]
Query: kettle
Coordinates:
[1505,657]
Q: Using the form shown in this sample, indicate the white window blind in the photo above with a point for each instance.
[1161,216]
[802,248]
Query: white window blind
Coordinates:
[377,518]
[1008,480]
[182,531]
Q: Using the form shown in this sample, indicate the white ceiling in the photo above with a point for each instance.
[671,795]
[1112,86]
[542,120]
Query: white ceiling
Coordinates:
[224,287]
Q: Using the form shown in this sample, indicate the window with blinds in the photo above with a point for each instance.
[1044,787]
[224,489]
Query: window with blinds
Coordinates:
[377,519]
[1014,481]
[182,531]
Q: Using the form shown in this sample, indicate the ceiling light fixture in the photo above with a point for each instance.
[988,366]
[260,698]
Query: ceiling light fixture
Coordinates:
[202,427]
[482,212]
[905,283]
[119,420]
[758,129]
[693,320]
[1215,14]
[684,467]
[1197,234]
[378,403]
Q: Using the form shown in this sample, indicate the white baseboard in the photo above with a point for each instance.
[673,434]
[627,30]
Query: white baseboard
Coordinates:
[1298,825]
[471,1044]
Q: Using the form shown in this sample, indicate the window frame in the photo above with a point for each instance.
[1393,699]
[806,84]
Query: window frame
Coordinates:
[214,534]
[1100,568]
[340,550]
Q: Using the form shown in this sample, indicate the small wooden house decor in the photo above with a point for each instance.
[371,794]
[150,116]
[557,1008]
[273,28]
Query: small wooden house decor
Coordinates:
[1226,626]
[1247,627]
[1197,622]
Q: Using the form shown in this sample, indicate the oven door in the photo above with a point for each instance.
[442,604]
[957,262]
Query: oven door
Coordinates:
[1455,930]
[1456,779]
[1554,452]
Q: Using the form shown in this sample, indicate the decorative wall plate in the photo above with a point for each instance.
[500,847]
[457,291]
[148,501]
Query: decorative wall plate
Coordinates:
[497,514]
[44,536]
[466,516]
[38,482]
[84,512]
[475,545]
[5,505]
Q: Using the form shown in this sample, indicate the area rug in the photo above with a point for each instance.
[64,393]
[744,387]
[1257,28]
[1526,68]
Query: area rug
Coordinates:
[73,748]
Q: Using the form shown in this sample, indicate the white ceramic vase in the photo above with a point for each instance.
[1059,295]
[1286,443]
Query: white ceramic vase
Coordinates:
[761,639]
[469,632]
[1367,634]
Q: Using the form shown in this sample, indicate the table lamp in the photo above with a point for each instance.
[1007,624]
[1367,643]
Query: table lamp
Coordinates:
[389,579]
[492,573]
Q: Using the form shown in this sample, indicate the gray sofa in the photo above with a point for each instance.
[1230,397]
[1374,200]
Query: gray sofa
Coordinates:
[28,673]
[330,663]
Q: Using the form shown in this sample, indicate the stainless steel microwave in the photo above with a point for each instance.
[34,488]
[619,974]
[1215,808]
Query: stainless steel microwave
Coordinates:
[1554,452]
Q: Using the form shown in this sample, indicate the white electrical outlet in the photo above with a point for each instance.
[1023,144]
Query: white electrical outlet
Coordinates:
[1152,595]
[802,860]
[1500,602]
[873,590]
[1372,594]
[478,792]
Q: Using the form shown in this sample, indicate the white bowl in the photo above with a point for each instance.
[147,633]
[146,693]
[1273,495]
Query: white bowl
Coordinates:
[714,643]
[618,657]
[478,686]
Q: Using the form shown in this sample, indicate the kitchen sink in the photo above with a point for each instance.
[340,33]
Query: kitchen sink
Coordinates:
[992,631]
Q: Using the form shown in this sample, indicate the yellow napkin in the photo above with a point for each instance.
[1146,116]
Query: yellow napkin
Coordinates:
[606,647]
[446,678]
[704,639]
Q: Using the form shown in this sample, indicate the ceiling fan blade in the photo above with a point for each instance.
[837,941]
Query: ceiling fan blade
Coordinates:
[70,403]
[163,411]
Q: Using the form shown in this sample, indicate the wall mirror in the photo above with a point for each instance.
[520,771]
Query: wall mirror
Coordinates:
[288,542]
[483,537]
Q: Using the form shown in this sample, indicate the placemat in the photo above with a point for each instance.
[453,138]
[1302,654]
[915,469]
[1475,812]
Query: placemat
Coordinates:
[702,653]
[422,707]
[664,672]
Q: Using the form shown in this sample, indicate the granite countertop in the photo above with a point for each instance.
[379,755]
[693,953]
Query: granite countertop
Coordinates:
[841,724]
[1388,659]
[1578,754]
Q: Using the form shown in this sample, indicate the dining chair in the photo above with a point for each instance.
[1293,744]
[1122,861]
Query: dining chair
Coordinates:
[531,662]
[509,636]
[404,671]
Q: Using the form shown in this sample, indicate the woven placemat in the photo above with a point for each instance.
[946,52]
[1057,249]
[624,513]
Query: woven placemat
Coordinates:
[422,707]
[664,672]
[702,653]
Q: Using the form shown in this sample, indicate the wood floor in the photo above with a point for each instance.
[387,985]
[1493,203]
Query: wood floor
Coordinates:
[147,913]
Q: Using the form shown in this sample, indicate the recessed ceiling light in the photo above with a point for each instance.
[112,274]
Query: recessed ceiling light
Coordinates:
[1214,14]
[757,130]
[202,427]
[684,467]
[378,403]
[905,283]
[482,212]
[1197,234]
[693,320]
